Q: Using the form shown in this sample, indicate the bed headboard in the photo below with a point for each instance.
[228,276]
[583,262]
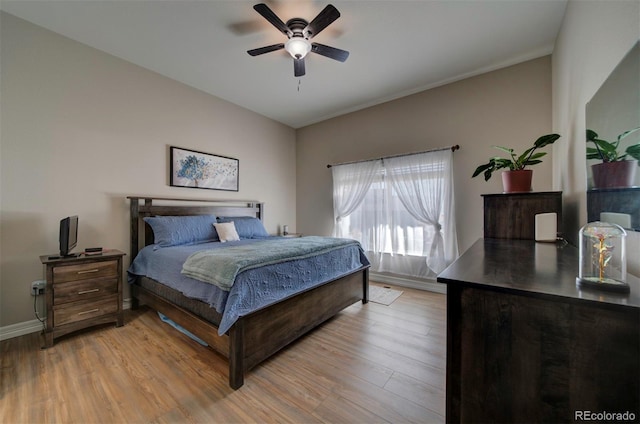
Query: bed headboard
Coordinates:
[141,207]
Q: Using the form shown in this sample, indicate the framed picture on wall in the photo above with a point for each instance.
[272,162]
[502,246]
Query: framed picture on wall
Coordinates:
[193,169]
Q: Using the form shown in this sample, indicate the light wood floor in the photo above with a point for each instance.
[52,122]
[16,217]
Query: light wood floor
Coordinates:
[370,364]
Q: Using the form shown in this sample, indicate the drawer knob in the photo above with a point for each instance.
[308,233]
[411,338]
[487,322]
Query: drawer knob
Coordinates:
[89,312]
[89,271]
[88,291]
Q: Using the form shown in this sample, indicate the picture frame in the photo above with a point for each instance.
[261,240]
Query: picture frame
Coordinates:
[194,169]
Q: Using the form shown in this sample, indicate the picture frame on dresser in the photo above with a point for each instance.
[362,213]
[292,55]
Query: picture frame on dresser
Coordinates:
[194,169]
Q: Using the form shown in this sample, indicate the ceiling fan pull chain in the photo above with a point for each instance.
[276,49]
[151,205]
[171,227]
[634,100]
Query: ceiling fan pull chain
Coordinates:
[299,82]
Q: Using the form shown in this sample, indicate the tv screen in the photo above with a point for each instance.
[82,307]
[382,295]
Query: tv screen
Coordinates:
[68,235]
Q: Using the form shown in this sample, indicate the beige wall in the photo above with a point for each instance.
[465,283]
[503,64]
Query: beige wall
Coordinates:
[509,107]
[582,60]
[82,129]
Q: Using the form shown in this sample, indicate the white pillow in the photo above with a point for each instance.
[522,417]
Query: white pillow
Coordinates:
[226,231]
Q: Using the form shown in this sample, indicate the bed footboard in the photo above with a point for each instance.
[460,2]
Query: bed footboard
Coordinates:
[257,336]
[265,332]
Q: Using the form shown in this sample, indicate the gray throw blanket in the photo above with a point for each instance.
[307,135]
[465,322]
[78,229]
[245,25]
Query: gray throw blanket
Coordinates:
[221,266]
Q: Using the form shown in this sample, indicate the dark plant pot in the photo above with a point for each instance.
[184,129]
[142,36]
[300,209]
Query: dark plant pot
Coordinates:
[614,174]
[517,181]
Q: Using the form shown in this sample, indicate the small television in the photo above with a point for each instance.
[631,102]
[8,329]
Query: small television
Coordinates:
[68,235]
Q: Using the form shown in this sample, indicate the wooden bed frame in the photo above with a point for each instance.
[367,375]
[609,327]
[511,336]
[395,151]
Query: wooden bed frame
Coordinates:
[256,336]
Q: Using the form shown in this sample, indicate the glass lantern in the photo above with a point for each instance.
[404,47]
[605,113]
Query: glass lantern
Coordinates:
[603,261]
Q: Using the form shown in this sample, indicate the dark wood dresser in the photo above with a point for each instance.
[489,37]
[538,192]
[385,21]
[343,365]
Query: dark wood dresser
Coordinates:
[82,291]
[524,344]
[618,200]
[513,215]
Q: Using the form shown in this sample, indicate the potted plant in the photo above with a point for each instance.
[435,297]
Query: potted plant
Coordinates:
[517,178]
[615,170]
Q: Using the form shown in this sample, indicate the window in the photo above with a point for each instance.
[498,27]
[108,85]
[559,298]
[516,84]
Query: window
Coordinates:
[401,211]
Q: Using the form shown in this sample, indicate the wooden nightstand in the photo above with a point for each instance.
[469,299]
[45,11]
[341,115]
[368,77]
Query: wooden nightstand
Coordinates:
[82,291]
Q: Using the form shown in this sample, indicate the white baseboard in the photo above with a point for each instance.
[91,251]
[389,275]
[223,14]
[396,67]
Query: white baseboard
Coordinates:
[34,326]
[20,329]
[430,285]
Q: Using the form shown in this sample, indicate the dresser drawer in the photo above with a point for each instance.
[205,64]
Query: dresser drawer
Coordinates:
[79,311]
[84,290]
[85,271]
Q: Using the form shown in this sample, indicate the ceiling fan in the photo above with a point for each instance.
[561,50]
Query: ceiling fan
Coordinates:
[299,32]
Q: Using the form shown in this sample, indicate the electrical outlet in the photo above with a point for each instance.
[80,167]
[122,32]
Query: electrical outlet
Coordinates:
[37,287]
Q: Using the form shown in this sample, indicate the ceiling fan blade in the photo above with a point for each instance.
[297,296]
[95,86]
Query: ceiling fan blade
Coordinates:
[320,22]
[270,16]
[298,67]
[266,49]
[330,52]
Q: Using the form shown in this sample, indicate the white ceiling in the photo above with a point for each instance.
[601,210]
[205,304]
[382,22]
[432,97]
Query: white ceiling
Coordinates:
[397,47]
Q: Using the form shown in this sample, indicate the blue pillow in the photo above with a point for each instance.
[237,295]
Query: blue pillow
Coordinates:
[176,230]
[247,227]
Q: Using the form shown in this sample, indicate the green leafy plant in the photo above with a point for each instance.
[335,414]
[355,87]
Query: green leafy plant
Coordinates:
[516,162]
[607,151]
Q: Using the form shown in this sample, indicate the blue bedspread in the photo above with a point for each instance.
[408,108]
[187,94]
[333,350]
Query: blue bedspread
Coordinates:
[255,288]
[221,266]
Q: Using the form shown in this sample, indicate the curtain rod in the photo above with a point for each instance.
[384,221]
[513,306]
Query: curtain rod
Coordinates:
[452,148]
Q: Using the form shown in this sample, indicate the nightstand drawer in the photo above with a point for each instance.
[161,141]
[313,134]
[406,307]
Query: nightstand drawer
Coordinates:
[84,290]
[79,311]
[85,271]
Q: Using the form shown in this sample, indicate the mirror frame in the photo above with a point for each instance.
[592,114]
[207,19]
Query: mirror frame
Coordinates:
[614,109]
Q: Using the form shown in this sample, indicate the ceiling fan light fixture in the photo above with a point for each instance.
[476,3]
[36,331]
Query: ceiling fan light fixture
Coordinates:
[298,47]
[299,32]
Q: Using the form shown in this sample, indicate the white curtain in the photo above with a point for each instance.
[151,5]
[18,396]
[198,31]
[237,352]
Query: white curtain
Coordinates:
[351,183]
[401,210]
[424,185]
